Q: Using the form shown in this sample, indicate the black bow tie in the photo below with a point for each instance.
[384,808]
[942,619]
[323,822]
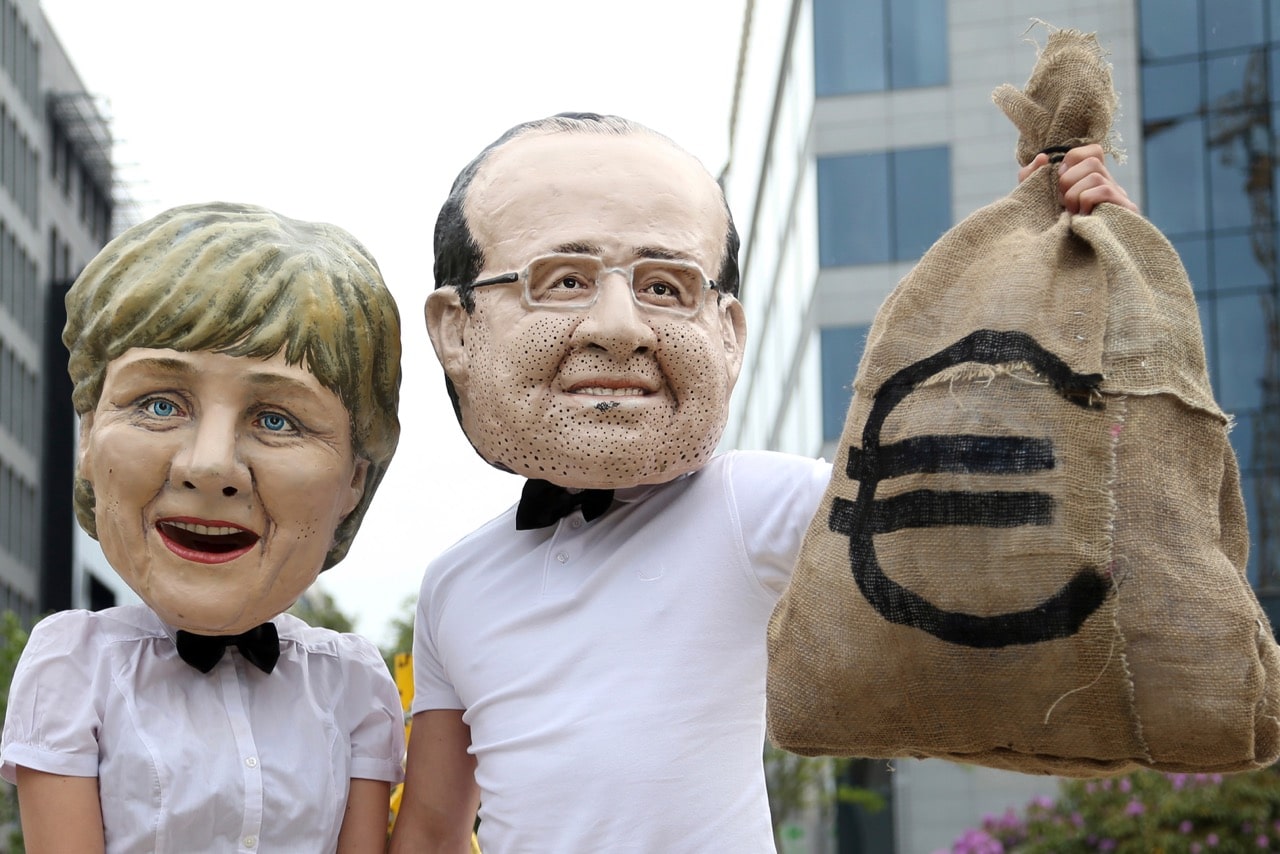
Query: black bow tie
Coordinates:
[543,504]
[260,646]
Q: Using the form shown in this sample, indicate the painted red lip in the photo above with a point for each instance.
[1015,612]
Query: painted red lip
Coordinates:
[205,540]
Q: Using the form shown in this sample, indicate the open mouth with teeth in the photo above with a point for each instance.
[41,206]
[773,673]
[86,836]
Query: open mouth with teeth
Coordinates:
[204,542]
[598,391]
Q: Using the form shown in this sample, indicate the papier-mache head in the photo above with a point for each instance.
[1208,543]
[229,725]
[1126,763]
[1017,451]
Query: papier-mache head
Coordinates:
[585,308]
[225,345]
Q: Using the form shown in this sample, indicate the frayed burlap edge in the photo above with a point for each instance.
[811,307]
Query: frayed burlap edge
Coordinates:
[1049,115]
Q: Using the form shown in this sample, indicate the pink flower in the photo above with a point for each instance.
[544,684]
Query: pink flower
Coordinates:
[1126,785]
[1135,807]
[974,841]
[1212,840]
[1262,841]
[1186,826]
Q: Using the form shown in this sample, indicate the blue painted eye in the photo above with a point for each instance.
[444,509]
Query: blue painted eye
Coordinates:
[160,407]
[275,422]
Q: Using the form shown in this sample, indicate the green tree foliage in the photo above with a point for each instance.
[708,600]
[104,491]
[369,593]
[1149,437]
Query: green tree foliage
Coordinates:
[317,608]
[801,784]
[401,630]
[13,639]
[1141,813]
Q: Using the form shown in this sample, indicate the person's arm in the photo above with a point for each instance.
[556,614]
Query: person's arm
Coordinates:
[59,813]
[438,806]
[1083,180]
[364,824]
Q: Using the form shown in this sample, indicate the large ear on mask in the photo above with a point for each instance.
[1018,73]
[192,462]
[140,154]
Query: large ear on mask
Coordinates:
[446,325]
[82,449]
[733,334]
[355,491]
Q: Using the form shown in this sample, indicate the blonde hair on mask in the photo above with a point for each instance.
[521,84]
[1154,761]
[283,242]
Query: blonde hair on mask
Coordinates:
[244,281]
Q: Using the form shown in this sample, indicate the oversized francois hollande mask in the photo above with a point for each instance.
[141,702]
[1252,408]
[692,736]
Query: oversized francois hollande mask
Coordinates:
[625,390]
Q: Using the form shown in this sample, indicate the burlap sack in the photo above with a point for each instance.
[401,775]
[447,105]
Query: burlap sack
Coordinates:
[1031,555]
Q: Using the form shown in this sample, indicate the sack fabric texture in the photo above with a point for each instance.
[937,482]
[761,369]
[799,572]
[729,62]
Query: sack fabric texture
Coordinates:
[1031,555]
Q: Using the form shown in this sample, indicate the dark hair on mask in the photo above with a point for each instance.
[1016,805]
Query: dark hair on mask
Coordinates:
[459,258]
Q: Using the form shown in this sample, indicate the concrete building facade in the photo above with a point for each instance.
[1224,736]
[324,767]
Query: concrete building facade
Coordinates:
[56,211]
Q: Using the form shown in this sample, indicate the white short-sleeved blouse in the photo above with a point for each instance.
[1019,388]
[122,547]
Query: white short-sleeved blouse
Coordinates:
[232,760]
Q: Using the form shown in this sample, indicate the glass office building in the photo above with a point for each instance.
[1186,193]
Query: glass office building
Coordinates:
[1210,101]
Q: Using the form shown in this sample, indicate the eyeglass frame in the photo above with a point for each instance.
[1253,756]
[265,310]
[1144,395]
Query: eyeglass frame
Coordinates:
[708,284]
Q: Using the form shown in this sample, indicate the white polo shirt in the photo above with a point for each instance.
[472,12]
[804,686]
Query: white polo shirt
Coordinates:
[612,672]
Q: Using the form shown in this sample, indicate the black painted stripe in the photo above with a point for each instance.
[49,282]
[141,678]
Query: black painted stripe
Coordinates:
[925,508]
[961,453]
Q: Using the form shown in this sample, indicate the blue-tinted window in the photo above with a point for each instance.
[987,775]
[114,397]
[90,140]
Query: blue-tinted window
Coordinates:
[1231,80]
[1207,179]
[1232,23]
[1242,343]
[1170,90]
[849,47]
[917,43]
[1230,162]
[1236,264]
[881,207]
[853,201]
[921,201]
[1170,29]
[841,348]
[874,45]
[1194,252]
[1174,176]
[1275,66]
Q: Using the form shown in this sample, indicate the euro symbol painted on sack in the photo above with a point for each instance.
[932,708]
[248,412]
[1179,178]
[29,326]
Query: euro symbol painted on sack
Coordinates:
[1058,616]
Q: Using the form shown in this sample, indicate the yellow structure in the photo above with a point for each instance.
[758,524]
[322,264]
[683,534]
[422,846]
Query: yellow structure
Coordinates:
[404,684]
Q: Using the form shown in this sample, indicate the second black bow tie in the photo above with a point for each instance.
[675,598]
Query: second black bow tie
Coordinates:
[260,646]
[543,503]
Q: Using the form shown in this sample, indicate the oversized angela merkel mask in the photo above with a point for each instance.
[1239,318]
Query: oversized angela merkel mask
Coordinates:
[237,377]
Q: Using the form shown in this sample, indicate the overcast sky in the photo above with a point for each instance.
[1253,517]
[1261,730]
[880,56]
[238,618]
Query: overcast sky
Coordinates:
[361,115]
